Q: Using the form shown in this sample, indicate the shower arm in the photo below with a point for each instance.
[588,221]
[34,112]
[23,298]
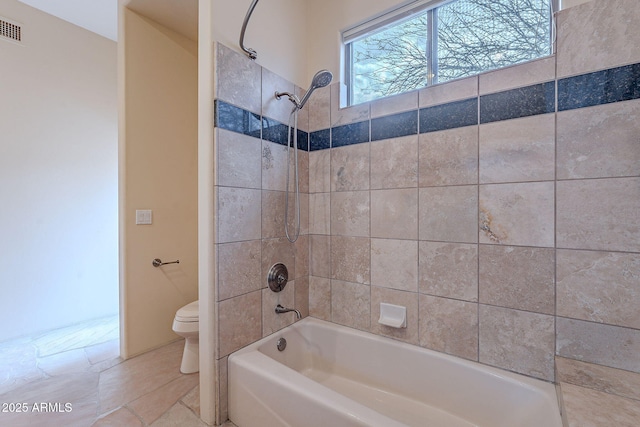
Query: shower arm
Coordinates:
[250,52]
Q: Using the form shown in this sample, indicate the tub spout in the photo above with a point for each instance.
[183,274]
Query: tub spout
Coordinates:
[280,309]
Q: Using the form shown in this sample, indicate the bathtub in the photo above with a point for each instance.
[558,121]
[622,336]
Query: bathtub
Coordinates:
[331,375]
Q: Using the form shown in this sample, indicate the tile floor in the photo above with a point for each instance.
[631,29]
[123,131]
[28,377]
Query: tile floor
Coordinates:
[81,366]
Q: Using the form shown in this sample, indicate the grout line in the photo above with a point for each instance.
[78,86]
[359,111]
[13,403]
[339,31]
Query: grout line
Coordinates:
[555,223]
[477,244]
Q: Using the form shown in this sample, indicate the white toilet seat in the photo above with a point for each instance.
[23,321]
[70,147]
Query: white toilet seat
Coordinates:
[189,313]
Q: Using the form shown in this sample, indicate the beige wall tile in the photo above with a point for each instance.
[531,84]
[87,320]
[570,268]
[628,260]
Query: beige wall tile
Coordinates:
[233,227]
[350,304]
[242,78]
[449,326]
[518,341]
[272,107]
[302,249]
[449,214]
[616,41]
[394,213]
[320,109]
[599,214]
[304,214]
[275,251]
[320,213]
[239,160]
[599,286]
[350,259]
[273,213]
[447,92]
[301,301]
[239,268]
[394,264]
[344,116]
[320,256]
[303,115]
[449,270]
[320,171]
[517,214]
[239,322]
[600,141]
[449,157]
[526,74]
[320,297]
[394,104]
[591,408]
[274,166]
[518,150]
[303,172]
[394,163]
[223,383]
[350,213]
[606,345]
[518,277]
[272,321]
[602,378]
[350,168]
[404,299]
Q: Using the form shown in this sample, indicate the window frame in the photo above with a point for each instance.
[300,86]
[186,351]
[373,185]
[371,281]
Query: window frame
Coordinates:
[404,11]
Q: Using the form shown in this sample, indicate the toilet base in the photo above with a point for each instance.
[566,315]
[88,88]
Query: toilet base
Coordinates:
[190,357]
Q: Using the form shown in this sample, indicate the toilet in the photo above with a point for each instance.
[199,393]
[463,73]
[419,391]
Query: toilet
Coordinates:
[186,325]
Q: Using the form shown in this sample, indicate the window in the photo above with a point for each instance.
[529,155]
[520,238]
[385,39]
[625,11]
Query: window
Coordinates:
[415,46]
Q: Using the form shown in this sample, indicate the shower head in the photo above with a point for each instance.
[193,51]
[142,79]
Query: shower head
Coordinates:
[321,79]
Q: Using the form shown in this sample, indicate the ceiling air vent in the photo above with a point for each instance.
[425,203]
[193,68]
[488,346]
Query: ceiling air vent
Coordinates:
[10,30]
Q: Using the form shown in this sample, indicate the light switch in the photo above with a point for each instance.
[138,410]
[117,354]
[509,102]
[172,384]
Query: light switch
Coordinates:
[143,217]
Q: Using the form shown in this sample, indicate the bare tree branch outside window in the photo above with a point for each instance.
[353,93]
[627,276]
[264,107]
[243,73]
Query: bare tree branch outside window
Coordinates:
[471,36]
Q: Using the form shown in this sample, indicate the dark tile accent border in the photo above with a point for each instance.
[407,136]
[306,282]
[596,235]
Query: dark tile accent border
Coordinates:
[448,116]
[354,133]
[585,90]
[320,140]
[274,131]
[394,126]
[303,140]
[515,103]
[235,119]
[600,87]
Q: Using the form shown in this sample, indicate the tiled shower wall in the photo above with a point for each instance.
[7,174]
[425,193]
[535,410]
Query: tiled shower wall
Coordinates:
[501,210]
[250,173]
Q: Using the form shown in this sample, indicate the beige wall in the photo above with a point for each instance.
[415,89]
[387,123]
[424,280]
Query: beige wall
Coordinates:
[206,213]
[158,171]
[566,4]
[277,31]
[58,169]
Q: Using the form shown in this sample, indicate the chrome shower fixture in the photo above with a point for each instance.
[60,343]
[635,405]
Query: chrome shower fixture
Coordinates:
[250,52]
[321,79]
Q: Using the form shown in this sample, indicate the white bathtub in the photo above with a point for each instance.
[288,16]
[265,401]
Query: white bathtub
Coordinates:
[330,375]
